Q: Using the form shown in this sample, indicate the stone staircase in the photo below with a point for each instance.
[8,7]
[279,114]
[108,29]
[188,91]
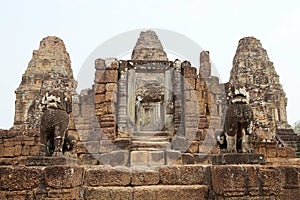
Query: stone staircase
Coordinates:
[288,138]
[150,141]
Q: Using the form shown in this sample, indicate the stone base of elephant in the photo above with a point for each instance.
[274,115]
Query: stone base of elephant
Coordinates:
[238,158]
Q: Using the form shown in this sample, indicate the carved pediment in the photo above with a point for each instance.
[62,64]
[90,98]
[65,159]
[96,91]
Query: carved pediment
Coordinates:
[150,93]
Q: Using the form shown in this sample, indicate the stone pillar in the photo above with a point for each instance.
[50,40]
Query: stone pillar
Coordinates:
[205,65]
[131,101]
[191,102]
[168,101]
[179,106]
[122,100]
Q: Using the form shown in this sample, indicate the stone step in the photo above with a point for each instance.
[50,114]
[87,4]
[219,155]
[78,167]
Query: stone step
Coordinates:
[285,131]
[289,137]
[151,138]
[150,133]
[149,145]
[294,146]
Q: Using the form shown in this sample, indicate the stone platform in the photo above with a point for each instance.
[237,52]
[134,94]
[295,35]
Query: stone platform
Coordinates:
[86,182]
[47,161]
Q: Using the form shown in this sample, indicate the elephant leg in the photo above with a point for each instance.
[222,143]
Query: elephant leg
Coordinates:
[247,144]
[58,141]
[245,141]
[43,142]
[231,143]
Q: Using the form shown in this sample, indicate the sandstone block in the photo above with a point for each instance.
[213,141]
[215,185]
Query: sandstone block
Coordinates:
[107,176]
[99,98]
[111,76]
[73,193]
[87,110]
[184,175]
[17,150]
[189,83]
[238,158]
[156,158]
[34,150]
[191,133]
[61,177]
[110,132]
[170,192]
[187,159]
[191,108]
[111,109]
[229,180]
[8,152]
[111,64]
[1,150]
[291,177]
[142,176]
[173,157]
[19,178]
[110,96]
[111,87]
[190,72]
[100,64]
[100,88]
[289,194]
[108,193]
[119,158]
[104,158]
[139,158]
[290,152]
[8,142]
[271,153]
[100,76]
[202,158]
[19,195]
[101,109]
[252,180]
[25,151]
[106,146]
[92,146]
[30,141]
[194,147]
[107,124]
[47,161]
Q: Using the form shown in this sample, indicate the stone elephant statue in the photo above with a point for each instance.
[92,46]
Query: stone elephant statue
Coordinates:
[238,124]
[56,106]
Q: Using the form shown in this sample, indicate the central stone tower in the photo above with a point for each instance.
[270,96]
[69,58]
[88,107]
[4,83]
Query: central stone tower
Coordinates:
[149,107]
[152,102]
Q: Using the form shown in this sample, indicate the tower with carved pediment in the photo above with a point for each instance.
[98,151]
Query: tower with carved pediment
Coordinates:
[150,103]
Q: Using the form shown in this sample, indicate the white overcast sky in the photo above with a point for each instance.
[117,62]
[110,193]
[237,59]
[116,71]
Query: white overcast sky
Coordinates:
[215,25]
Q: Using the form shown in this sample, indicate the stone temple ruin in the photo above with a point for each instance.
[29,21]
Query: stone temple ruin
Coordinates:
[148,128]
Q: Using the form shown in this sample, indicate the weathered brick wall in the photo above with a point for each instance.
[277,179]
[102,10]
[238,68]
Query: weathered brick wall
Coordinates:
[169,183]
[106,89]
[270,150]
[17,144]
